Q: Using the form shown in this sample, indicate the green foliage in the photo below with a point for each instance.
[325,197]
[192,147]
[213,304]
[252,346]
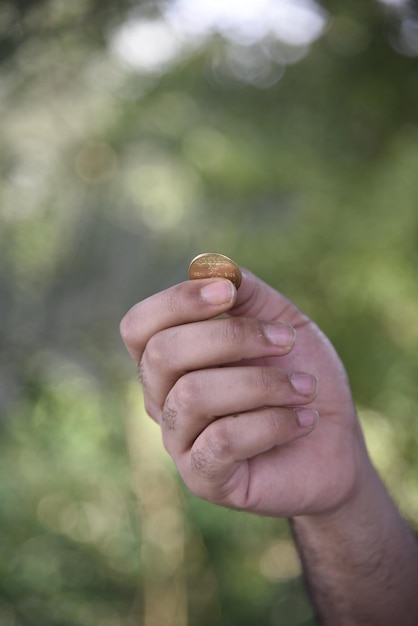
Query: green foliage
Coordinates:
[112,178]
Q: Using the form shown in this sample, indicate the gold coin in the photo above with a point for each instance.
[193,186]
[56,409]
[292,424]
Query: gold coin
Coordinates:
[214,265]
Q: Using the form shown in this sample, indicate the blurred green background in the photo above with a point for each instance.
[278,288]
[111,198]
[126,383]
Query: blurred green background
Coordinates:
[133,136]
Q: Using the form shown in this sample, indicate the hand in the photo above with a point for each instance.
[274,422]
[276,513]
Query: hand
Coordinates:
[238,397]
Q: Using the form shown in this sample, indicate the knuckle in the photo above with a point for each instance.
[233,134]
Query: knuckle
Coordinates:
[266,380]
[185,393]
[155,352]
[218,440]
[272,418]
[235,331]
[209,457]
[125,327]
[142,373]
[202,466]
[169,416]
[197,482]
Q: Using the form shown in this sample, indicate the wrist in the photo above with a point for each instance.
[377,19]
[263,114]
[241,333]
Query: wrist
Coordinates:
[367,518]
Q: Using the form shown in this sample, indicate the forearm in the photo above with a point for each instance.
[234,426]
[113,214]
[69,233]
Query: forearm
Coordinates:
[361,564]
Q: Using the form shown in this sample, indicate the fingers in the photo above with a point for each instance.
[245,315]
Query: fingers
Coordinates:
[187,302]
[172,352]
[200,397]
[240,437]
[223,390]
[222,453]
[198,300]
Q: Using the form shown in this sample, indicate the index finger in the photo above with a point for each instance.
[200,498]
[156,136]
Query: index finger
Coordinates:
[190,301]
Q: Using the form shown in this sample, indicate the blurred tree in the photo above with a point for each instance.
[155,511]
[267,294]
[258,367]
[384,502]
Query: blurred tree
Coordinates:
[119,160]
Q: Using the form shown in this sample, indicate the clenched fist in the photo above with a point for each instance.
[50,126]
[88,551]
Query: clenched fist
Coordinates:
[254,406]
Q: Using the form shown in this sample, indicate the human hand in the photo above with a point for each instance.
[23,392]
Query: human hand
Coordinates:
[224,393]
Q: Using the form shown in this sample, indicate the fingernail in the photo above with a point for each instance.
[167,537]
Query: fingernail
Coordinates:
[280,335]
[307,418]
[221,292]
[305,384]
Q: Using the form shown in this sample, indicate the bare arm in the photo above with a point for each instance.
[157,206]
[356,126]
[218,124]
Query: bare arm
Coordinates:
[256,411]
[361,562]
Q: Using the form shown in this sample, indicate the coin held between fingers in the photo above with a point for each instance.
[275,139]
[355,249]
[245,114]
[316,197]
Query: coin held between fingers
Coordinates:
[215,265]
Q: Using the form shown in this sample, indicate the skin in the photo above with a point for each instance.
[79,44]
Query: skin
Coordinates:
[242,435]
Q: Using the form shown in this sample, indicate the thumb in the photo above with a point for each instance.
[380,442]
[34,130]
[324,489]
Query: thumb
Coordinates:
[258,300]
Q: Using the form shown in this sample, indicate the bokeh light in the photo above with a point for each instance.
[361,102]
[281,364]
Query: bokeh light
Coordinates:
[283,134]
